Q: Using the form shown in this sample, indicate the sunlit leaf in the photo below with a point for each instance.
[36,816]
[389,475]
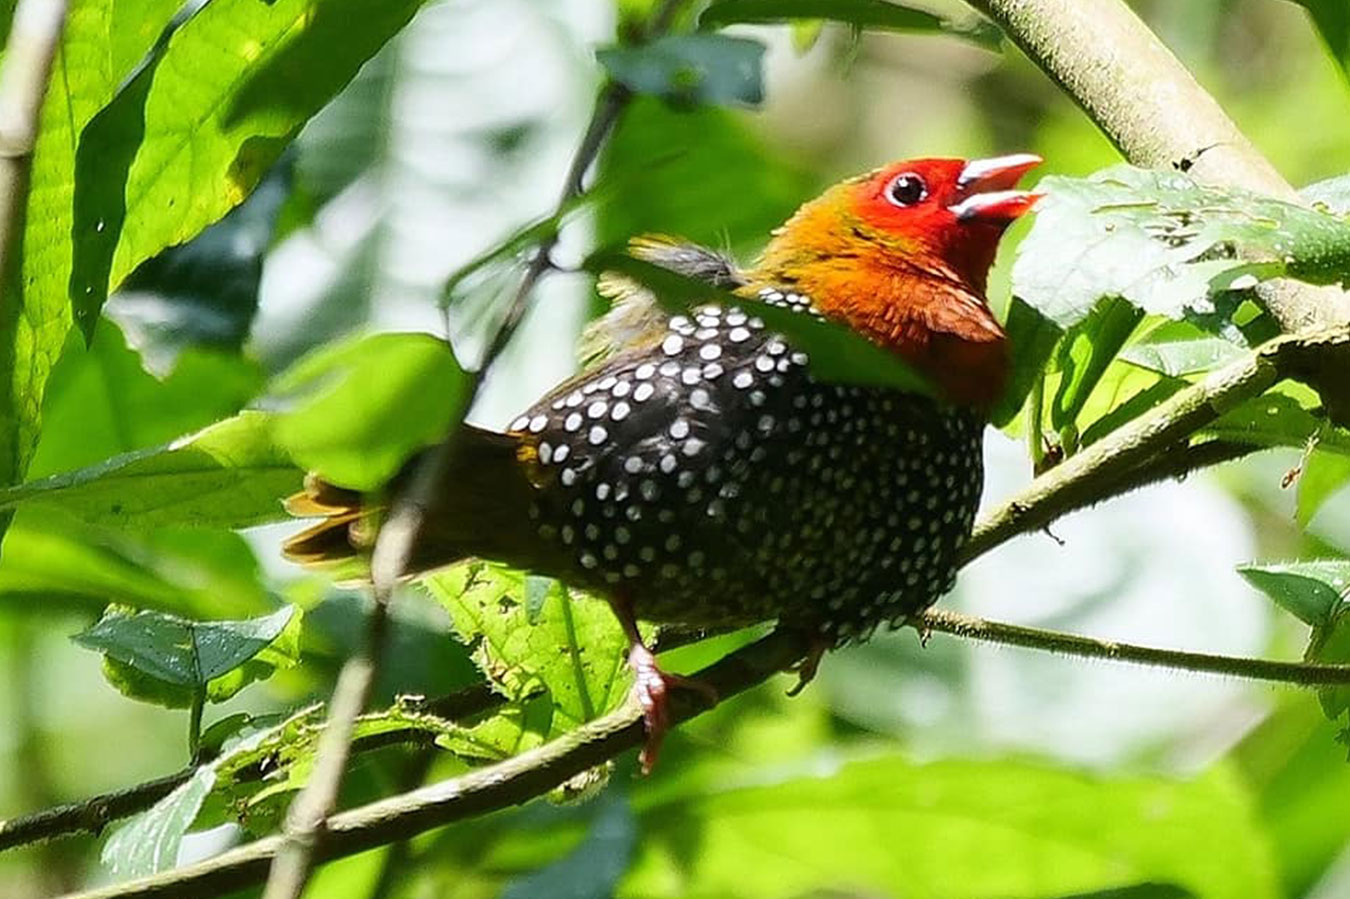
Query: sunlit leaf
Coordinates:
[575,649]
[361,407]
[231,475]
[1084,353]
[691,68]
[1324,474]
[1032,337]
[149,842]
[1166,244]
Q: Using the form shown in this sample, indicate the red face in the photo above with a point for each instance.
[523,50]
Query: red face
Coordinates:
[952,210]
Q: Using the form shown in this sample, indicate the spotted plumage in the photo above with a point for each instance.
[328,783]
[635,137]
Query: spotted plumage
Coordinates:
[697,473]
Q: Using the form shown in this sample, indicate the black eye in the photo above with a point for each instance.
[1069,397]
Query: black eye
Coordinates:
[906,190]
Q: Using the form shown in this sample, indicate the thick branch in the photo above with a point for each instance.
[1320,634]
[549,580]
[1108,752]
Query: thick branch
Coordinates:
[1107,467]
[1155,111]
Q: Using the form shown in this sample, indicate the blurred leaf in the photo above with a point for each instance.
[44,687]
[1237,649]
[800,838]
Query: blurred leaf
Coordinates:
[877,15]
[1311,591]
[148,843]
[201,122]
[168,660]
[691,68]
[1330,643]
[1086,350]
[1333,193]
[594,868]
[838,355]
[230,475]
[203,293]
[1332,18]
[1138,891]
[51,562]
[1032,337]
[101,401]
[575,650]
[1324,474]
[365,405]
[677,169]
[1037,830]
[1166,244]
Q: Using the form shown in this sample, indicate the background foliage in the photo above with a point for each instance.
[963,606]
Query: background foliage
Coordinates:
[227,196]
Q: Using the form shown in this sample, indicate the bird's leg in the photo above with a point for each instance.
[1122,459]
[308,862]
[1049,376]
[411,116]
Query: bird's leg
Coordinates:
[806,669]
[651,684]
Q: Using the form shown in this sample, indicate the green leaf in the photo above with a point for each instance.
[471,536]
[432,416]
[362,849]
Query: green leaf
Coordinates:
[877,15]
[1032,337]
[1332,18]
[365,405]
[1181,357]
[229,475]
[189,136]
[838,355]
[1279,419]
[1332,193]
[169,660]
[98,50]
[1084,353]
[1330,643]
[1166,244]
[575,649]
[1037,830]
[691,69]
[1311,591]
[149,842]
[1324,474]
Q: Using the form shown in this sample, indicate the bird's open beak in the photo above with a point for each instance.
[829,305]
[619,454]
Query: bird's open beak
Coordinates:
[987,191]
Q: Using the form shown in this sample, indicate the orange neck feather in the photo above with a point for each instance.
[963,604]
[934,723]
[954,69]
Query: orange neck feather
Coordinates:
[896,294]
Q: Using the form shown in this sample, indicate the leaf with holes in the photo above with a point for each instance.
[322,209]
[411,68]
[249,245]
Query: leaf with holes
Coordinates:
[1166,244]
[574,649]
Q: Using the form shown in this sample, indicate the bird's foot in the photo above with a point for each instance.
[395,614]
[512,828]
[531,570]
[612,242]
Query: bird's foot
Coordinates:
[652,688]
[806,669]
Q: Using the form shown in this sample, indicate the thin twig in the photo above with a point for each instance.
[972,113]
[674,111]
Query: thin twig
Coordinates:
[1303,674]
[1153,109]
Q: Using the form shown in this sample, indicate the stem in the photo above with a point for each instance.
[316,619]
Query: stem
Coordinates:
[1035,413]
[1303,674]
[195,725]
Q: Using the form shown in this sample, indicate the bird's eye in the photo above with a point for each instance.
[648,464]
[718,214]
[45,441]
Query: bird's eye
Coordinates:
[906,190]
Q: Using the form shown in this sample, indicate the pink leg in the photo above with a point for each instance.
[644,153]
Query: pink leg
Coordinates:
[651,685]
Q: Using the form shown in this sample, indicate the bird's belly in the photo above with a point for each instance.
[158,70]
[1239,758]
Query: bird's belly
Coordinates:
[756,493]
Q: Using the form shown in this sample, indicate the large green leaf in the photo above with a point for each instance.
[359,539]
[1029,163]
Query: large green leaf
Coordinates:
[363,406]
[1166,244]
[190,135]
[574,648]
[229,475]
[893,828]
[98,50]
[149,842]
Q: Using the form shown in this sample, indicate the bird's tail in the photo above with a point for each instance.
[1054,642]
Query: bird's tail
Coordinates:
[480,508]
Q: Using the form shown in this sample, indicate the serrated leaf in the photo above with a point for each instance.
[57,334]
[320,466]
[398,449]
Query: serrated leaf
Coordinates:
[169,660]
[362,407]
[148,843]
[1166,244]
[1310,591]
[691,68]
[575,650]
[837,354]
[875,15]
[231,475]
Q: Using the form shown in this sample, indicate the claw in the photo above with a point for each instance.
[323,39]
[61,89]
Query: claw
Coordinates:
[806,669]
[652,687]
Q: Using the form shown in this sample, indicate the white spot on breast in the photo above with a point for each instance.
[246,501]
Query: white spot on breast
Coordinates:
[620,411]
[597,409]
[520,423]
[679,429]
[742,380]
[709,351]
[672,345]
[572,422]
[598,435]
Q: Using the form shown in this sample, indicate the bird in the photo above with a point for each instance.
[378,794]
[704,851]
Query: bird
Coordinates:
[697,473]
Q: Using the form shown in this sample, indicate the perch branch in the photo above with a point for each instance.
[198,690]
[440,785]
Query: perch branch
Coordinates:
[1153,109]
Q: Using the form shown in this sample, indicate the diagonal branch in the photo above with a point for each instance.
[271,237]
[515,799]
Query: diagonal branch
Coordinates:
[1104,56]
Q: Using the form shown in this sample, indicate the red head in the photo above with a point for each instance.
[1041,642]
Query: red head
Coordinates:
[902,254]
